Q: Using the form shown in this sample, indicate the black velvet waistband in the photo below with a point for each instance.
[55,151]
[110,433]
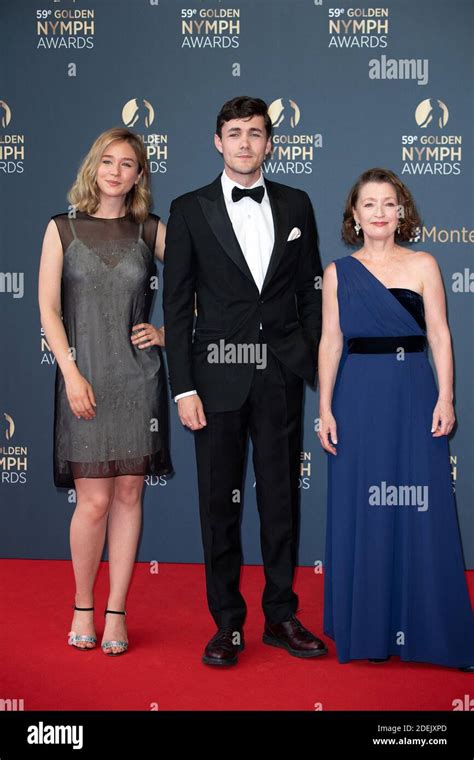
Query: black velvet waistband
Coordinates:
[409,343]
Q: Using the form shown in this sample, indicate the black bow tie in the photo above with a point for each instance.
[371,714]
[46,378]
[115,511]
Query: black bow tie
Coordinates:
[256,193]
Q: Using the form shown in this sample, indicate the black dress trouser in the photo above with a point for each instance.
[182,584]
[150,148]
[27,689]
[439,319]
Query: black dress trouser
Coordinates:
[272,414]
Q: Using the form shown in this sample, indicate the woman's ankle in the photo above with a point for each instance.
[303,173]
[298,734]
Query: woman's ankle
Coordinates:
[83,601]
[117,605]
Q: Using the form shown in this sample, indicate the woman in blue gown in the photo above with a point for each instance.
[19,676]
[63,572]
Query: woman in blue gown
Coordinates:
[394,571]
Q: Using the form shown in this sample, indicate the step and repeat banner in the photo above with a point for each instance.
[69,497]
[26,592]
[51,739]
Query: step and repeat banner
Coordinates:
[349,87]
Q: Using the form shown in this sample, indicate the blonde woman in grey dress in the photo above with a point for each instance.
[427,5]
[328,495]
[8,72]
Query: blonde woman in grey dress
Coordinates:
[96,284]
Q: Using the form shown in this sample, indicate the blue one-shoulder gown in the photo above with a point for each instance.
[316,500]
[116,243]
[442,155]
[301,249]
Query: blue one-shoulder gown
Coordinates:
[394,571]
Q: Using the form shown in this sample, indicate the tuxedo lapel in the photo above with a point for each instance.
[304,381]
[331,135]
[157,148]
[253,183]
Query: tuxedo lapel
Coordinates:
[280,225]
[214,209]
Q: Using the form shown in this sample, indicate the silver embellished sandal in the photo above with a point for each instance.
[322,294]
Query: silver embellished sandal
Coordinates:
[74,638]
[108,645]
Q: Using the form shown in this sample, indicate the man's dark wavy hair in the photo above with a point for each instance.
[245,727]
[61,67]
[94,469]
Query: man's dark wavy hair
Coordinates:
[242,108]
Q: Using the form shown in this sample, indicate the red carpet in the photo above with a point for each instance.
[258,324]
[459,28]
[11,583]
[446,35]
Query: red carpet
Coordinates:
[168,626]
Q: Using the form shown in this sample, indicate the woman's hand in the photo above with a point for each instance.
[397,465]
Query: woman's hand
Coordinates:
[443,418]
[81,397]
[145,335]
[328,428]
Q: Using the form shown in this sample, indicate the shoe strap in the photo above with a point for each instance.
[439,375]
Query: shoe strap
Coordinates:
[109,644]
[75,637]
[82,609]
[115,612]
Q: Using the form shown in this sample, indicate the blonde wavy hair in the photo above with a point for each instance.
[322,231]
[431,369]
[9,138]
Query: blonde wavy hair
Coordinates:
[84,194]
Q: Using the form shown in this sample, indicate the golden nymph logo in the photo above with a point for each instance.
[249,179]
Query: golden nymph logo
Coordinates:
[305,470]
[13,459]
[210,27]
[431,151]
[70,28]
[292,151]
[139,114]
[453,461]
[47,356]
[358,27]
[12,146]
[304,478]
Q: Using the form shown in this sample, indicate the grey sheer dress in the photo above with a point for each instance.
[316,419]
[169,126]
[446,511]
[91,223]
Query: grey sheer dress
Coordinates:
[108,282]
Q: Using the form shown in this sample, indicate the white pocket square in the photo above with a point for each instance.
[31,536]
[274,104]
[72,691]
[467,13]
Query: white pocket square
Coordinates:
[295,233]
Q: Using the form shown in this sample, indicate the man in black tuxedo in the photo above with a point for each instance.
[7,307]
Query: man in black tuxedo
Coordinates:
[243,253]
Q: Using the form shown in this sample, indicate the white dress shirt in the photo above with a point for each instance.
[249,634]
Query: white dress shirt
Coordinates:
[253,227]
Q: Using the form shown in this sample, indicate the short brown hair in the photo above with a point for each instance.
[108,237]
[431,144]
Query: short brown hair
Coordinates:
[410,222]
[243,107]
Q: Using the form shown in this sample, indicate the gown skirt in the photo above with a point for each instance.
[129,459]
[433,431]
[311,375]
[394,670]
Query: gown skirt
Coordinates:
[394,571]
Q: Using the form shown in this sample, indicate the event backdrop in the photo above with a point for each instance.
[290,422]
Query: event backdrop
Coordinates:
[349,87]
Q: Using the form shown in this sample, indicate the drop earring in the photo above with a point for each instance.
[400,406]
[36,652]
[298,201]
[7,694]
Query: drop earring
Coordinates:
[357,227]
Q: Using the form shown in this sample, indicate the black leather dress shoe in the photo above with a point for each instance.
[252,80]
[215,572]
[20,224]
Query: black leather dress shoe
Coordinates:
[224,647]
[294,637]
[468,669]
[378,660]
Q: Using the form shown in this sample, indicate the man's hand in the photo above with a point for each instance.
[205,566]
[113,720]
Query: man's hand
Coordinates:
[191,412]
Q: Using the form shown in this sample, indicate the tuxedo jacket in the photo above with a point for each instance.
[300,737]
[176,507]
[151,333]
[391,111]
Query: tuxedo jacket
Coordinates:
[210,297]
